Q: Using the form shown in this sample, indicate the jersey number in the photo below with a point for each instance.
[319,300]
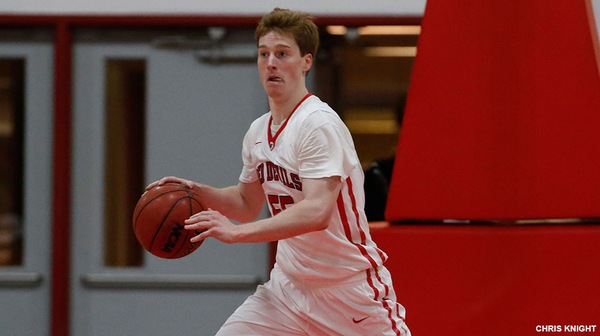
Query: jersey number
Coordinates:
[278,203]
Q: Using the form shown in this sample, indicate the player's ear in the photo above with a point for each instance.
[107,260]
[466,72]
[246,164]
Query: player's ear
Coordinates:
[308,61]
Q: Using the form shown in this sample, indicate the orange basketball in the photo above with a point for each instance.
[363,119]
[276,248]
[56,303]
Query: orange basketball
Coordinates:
[158,220]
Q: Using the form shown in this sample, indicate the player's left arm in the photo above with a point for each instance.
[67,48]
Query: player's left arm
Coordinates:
[310,214]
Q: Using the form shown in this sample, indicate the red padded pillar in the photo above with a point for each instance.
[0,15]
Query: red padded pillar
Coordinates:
[503,114]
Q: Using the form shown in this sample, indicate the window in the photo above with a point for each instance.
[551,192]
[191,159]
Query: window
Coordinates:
[124,155]
[11,160]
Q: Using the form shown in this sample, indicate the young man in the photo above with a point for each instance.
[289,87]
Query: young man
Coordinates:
[329,277]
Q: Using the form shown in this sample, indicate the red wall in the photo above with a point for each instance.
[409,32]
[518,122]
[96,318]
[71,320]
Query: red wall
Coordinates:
[494,280]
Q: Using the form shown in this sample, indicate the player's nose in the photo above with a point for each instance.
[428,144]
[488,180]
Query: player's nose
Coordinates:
[272,61]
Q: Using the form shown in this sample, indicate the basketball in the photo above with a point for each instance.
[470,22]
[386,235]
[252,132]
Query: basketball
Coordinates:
[158,220]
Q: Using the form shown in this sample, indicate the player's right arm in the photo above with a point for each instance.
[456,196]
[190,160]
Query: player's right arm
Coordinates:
[242,202]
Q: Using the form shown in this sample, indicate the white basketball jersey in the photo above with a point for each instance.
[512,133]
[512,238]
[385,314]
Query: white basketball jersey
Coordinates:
[313,143]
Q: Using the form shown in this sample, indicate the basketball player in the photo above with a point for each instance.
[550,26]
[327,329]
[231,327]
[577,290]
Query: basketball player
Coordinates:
[329,277]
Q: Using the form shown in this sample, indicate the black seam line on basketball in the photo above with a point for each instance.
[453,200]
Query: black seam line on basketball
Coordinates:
[163,221]
[192,211]
[179,253]
[187,232]
[148,203]
[190,192]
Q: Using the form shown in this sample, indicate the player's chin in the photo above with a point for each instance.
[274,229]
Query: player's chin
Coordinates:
[274,90]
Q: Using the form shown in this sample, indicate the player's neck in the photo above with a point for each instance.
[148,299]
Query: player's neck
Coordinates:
[282,108]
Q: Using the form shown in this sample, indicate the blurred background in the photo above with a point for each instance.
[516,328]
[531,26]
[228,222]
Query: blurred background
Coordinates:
[99,99]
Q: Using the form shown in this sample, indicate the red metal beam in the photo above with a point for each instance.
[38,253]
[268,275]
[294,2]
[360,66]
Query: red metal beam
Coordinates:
[61,226]
[149,21]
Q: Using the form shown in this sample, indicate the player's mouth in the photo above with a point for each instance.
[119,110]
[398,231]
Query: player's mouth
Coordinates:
[274,79]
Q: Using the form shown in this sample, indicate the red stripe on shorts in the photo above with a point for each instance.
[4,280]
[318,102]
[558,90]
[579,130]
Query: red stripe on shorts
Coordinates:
[363,251]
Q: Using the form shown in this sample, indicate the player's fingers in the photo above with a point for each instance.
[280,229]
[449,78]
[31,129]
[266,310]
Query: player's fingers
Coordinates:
[162,181]
[195,224]
[168,179]
[200,237]
[199,221]
[194,218]
[151,185]
[202,215]
[171,179]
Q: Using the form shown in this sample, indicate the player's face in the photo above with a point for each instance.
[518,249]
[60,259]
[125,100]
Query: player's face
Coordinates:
[281,66]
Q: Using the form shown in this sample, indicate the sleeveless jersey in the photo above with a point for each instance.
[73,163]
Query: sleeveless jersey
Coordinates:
[313,143]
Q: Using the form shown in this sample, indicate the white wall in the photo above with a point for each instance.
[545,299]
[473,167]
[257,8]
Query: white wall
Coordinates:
[217,7]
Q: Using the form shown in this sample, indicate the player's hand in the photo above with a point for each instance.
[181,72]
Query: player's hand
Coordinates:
[171,179]
[211,224]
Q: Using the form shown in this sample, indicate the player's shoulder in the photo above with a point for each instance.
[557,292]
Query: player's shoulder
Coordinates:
[316,110]
[314,103]
[257,127]
[260,121]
